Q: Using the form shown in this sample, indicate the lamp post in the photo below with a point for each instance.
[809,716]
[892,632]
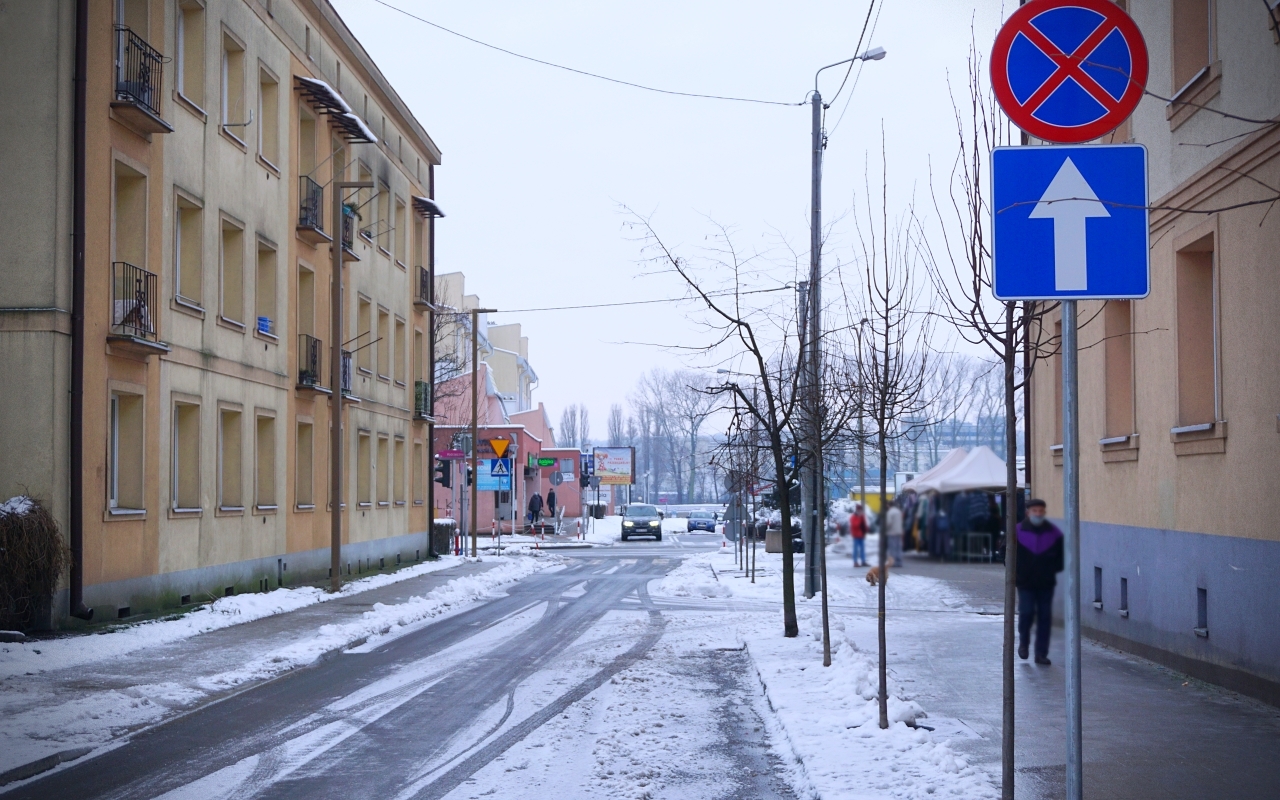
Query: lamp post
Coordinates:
[812,482]
[335,380]
[475,427]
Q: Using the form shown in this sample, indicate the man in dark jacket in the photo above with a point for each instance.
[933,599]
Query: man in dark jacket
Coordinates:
[1039,562]
[535,508]
[551,503]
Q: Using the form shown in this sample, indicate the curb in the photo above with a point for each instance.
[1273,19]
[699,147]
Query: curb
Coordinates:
[30,770]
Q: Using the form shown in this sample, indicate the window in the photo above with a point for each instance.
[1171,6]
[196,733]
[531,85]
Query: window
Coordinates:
[133,15]
[306,143]
[382,470]
[186,457]
[233,108]
[1197,351]
[400,354]
[232,255]
[125,481]
[1097,588]
[190,56]
[306,301]
[265,472]
[418,241]
[1124,597]
[397,454]
[1193,45]
[265,295]
[303,485]
[130,217]
[268,117]
[364,470]
[383,221]
[188,250]
[364,318]
[1056,365]
[1118,354]
[366,210]
[419,486]
[306,39]
[384,345]
[418,355]
[230,464]
[401,234]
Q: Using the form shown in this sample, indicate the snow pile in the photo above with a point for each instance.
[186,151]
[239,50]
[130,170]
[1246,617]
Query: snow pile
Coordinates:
[18,659]
[16,505]
[695,577]
[380,621]
[830,717]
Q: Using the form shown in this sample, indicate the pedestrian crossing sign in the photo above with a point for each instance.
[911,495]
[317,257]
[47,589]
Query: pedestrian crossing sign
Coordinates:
[500,467]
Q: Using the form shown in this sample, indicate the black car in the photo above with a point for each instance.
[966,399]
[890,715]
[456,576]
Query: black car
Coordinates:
[701,521]
[641,520]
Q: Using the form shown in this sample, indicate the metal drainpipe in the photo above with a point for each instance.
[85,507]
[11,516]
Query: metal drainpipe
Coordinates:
[76,604]
[431,370]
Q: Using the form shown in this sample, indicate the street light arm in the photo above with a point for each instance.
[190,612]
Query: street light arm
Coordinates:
[874,54]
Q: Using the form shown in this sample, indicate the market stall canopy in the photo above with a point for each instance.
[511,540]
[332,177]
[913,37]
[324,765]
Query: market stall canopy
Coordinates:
[948,461]
[979,470]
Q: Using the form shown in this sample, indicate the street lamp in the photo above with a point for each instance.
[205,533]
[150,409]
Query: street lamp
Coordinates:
[475,427]
[813,484]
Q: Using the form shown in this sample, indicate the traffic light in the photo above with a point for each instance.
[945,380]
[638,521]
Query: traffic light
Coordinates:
[584,481]
[443,473]
[468,474]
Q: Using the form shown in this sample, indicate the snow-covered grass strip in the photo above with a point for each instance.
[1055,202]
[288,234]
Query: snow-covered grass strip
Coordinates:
[71,651]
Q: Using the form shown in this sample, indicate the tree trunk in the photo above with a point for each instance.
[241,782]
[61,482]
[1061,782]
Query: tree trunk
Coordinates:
[884,577]
[1010,554]
[791,628]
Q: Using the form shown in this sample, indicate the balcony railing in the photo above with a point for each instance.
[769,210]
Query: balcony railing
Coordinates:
[346,372]
[139,71]
[133,294]
[309,349]
[311,211]
[421,399]
[422,297]
[349,231]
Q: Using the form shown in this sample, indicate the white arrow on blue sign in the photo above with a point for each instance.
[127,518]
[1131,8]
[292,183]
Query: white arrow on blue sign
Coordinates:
[1070,222]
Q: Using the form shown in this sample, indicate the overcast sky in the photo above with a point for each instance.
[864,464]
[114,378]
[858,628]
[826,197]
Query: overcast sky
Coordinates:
[537,161]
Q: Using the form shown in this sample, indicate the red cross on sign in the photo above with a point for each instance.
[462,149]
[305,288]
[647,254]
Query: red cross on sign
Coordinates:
[1069,71]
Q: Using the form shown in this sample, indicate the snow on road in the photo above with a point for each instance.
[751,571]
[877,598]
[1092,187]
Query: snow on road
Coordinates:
[55,703]
[828,718]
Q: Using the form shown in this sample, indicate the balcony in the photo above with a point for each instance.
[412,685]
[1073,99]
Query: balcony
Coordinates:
[311,213]
[347,393]
[349,234]
[422,400]
[133,309]
[310,361]
[422,295]
[139,79]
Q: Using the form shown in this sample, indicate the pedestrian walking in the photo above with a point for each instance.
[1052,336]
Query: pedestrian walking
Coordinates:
[893,532]
[858,530]
[535,508]
[1039,562]
[551,503]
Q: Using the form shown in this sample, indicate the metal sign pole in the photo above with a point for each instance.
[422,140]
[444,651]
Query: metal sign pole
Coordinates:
[1071,543]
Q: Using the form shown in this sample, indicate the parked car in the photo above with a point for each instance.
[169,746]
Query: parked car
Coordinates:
[641,519]
[701,521]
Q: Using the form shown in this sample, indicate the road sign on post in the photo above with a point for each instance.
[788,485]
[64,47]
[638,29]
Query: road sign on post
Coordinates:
[1069,71]
[1070,222]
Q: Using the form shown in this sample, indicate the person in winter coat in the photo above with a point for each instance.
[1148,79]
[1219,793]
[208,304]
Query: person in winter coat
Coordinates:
[1039,562]
[893,532]
[535,508]
[551,503]
[858,530]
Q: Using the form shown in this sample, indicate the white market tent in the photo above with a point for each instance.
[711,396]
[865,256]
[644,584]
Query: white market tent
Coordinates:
[950,460]
[978,470]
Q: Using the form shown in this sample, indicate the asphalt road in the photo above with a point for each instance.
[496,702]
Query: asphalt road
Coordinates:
[417,716]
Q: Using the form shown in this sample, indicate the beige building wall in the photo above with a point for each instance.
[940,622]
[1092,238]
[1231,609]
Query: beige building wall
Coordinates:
[1179,398]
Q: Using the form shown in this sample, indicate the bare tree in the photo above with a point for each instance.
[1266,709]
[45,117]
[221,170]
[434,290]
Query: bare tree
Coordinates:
[690,405]
[584,428]
[892,358]
[569,426]
[617,432]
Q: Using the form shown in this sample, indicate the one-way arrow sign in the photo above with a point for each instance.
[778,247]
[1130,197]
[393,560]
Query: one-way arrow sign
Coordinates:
[1070,222]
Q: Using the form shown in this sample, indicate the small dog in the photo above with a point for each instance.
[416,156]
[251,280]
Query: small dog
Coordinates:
[873,574]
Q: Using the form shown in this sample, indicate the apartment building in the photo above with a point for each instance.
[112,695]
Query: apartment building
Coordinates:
[1180,551]
[201,194]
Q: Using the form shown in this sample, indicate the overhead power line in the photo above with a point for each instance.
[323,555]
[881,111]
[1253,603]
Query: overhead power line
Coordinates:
[640,302]
[584,72]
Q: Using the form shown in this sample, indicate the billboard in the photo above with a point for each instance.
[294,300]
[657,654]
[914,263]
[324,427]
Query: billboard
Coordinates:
[493,474]
[615,466]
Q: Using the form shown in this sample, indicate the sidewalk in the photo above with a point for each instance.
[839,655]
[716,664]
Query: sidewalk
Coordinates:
[101,694]
[1149,732]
